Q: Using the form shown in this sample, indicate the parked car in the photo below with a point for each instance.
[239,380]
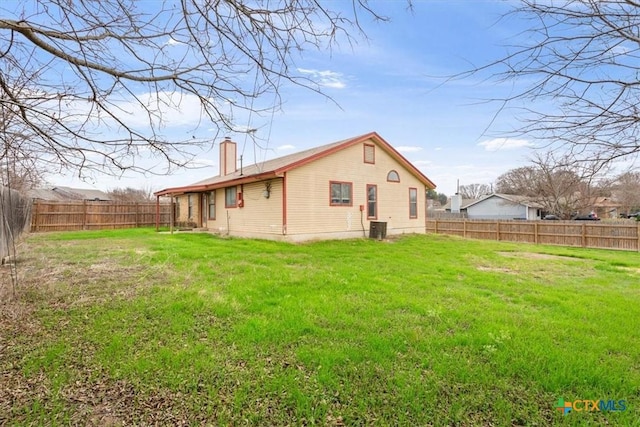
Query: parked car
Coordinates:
[551,217]
[634,215]
[588,217]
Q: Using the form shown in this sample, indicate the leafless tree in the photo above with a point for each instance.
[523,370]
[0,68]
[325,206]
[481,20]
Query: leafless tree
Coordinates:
[130,194]
[474,191]
[94,82]
[19,170]
[519,181]
[625,189]
[581,60]
[561,186]
[20,174]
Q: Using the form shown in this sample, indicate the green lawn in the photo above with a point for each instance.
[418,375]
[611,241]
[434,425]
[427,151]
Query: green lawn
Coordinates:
[136,327]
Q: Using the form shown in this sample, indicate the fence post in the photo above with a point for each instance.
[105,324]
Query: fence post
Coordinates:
[34,219]
[84,214]
[584,235]
[498,230]
[436,226]
[464,228]
[638,235]
[535,233]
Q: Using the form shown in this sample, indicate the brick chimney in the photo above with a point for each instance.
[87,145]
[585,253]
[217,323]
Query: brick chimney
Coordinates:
[228,155]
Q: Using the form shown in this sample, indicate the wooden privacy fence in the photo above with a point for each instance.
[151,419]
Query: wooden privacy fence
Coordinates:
[89,215]
[587,234]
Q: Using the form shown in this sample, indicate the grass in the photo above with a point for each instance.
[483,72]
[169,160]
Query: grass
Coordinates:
[135,327]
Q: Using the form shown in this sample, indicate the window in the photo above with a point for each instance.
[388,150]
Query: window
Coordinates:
[369,153]
[340,193]
[190,206]
[212,205]
[413,203]
[372,201]
[230,197]
[393,176]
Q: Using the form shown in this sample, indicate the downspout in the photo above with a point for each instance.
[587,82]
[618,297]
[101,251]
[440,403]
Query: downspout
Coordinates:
[284,203]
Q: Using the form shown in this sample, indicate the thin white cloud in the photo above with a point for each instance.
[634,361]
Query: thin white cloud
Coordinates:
[438,149]
[504,144]
[408,149]
[172,42]
[286,147]
[325,78]
[202,162]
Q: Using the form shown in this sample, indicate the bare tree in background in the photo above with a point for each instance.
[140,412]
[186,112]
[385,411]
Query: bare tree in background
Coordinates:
[474,191]
[582,59]
[130,194]
[561,186]
[93,82]
[625,189]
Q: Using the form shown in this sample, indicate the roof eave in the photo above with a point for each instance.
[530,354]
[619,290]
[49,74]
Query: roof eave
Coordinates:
[176,191]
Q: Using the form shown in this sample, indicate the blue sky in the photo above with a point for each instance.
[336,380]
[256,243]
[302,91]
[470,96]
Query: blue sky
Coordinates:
[393,83]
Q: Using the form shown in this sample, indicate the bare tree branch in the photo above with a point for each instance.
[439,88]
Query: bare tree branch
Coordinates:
[581,58]
[474,191]
[94,83]
[561,185]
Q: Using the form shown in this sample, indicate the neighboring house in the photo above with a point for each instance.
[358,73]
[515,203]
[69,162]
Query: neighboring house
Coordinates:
[332,191]
[606,207]
[463,205]
[66,194]
[504,206]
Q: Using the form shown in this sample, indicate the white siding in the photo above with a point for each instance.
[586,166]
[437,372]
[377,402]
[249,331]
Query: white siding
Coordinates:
[497,208]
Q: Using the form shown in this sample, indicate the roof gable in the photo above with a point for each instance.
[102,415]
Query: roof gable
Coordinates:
[68,194]
[513,198]
[278,166]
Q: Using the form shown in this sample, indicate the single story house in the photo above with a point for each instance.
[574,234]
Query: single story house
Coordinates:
[606,207]
[327,192]
[505,207]
[463,205]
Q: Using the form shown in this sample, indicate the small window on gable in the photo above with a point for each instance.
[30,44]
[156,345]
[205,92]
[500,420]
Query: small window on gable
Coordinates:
[393,176]
[369,153]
